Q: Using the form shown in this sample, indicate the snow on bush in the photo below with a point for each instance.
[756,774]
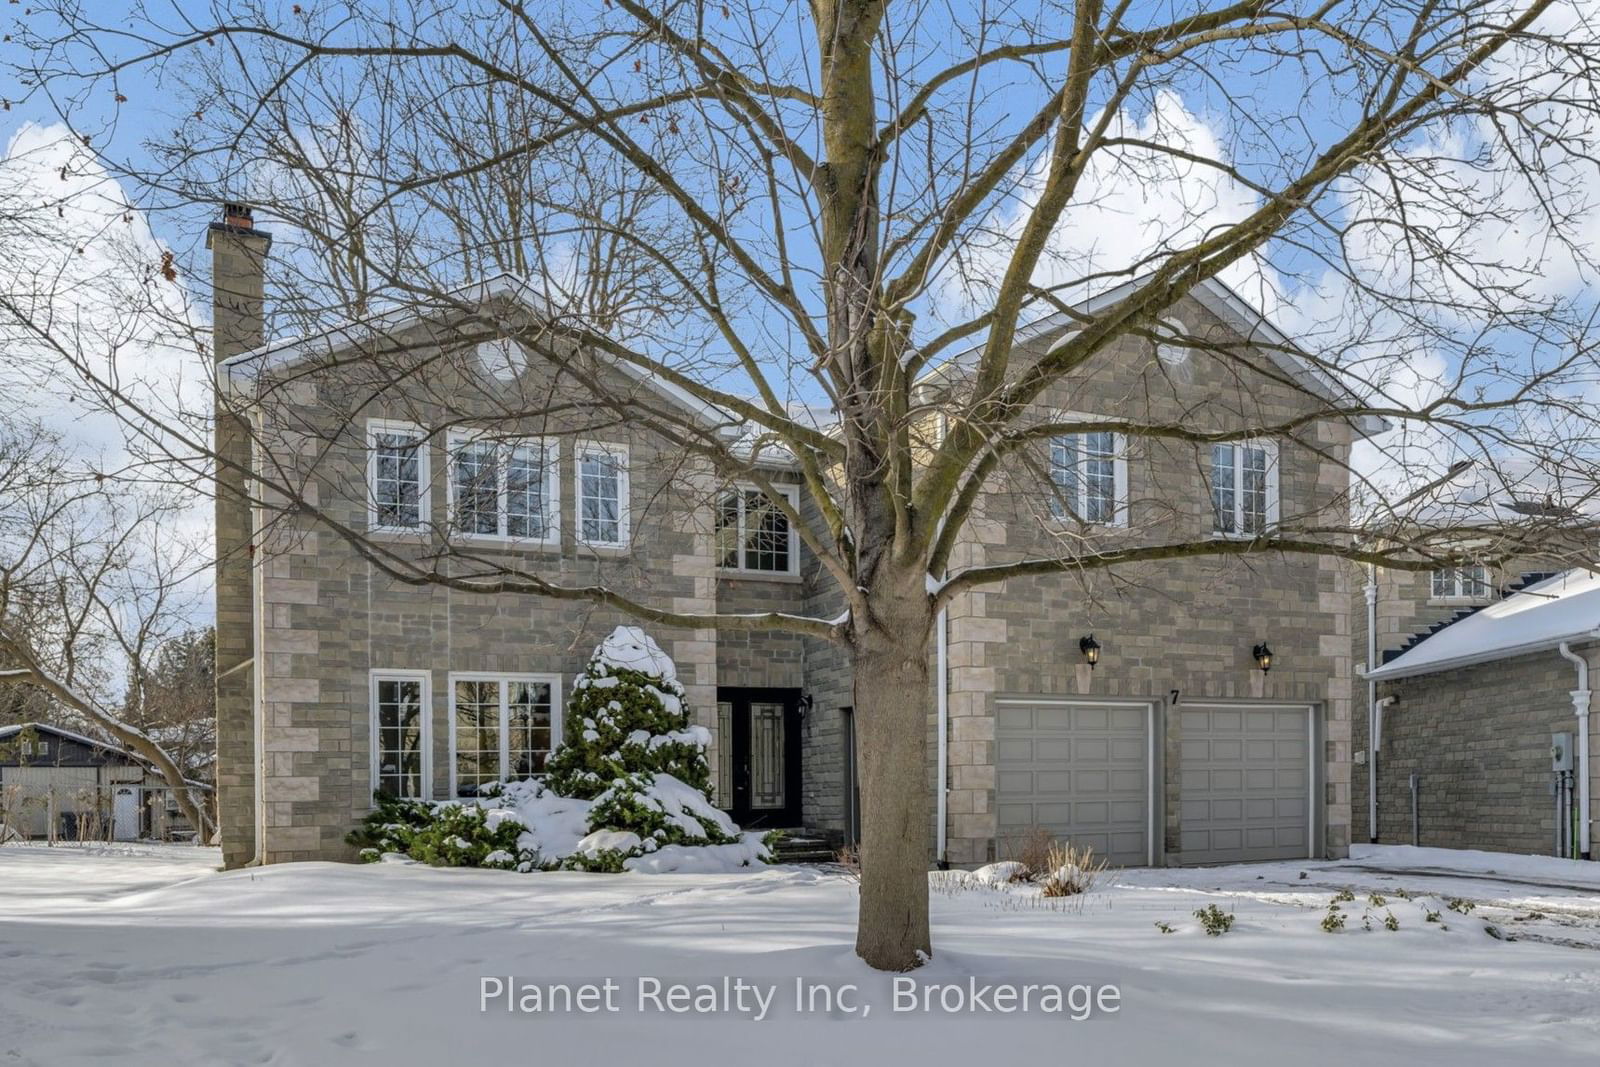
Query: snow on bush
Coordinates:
[630,788]
[627,717]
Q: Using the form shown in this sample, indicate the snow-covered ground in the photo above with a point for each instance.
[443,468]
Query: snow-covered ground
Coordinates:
[145,954]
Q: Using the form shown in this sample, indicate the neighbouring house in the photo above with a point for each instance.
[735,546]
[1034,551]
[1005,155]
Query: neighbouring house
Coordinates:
[1176,746]
[62,785]
[1482,722]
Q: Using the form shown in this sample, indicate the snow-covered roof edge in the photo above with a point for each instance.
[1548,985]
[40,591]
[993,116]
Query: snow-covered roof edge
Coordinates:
[1562,608]
[1219,298]
[44,727]
[238,374]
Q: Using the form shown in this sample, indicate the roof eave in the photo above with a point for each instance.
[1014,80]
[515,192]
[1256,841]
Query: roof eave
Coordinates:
[1397,670]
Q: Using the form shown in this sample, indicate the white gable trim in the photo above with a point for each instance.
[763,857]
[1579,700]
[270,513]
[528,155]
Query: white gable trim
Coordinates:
[237,375]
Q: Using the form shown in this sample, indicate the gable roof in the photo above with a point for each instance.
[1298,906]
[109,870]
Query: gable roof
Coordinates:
[1535,619]
[1237,313]
[56,731]
[237,375]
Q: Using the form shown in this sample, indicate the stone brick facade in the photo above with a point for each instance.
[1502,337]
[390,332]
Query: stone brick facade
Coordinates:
[325,615]
[1479,738]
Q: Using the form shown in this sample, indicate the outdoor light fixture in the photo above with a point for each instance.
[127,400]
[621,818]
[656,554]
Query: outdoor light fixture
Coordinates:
[1090,649]
[1263,656]
[805,704]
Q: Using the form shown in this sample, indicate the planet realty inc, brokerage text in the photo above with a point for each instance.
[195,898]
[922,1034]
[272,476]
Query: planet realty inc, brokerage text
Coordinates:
[761,999]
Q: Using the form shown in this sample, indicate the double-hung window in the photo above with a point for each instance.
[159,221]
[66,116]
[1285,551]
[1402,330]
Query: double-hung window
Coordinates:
[1461,583]
[753,533]
[397,476]
[505,488]
[401,704]
[602,491]
[502,728]
[1089,478]
[1244,488]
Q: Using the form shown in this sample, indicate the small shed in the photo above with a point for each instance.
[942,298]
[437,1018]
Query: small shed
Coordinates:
[61,785]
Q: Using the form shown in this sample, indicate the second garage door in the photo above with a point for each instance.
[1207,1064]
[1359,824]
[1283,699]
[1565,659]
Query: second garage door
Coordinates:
[1244,783]
[1081,771]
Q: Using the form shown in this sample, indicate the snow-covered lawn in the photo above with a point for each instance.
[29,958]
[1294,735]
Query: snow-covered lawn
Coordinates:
[145,954]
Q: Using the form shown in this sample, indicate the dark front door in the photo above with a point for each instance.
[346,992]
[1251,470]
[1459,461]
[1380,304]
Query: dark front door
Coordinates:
[760,732]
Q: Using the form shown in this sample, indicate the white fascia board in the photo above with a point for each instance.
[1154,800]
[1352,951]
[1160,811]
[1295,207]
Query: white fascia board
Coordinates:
[1397,668]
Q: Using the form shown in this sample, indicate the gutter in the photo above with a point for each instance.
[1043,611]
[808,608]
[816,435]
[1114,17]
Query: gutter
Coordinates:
[942,690]
[1374,713]
[1581,699]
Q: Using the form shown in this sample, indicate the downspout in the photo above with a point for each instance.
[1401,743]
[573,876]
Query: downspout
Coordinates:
[1373,711]
[942,699]
[1580,707]
[258,683]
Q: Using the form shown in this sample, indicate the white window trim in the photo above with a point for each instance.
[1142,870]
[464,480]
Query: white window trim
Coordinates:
[1169,330]
[1459,597]
[1119,473]
[379,674]
[552,488]
[1273,477]
[553,680]
[791,493]
[624,497]
[424,479]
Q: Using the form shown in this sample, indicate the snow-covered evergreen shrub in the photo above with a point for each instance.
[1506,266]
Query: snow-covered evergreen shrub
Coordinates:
[442,835]
[627,715]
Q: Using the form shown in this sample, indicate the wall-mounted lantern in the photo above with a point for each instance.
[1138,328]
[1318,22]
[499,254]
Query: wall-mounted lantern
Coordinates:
[1090,649]
[1263,657]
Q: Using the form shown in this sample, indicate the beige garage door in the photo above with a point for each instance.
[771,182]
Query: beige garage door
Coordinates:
[1080,770]
[1244,783]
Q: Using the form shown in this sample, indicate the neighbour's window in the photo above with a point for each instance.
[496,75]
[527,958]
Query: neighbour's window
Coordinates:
[400,735]
[753,533]
[1461,583]
[397,476]
[504,488]
[1087,471]
[1244,487]
[502,729]
[602,476]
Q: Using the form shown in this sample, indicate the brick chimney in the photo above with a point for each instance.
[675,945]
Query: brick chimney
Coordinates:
[238,279]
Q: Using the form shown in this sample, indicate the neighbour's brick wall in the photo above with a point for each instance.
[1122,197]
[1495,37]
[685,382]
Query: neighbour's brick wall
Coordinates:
[1480,739]
[1406,608]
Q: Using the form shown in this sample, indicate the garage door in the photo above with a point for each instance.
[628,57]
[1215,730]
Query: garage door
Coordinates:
[1079,770]
[1244,783]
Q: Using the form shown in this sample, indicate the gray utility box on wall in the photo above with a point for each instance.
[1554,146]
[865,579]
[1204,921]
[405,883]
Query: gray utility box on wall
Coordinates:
[1561,752]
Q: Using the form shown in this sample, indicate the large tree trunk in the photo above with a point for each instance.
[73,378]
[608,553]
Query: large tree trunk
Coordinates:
[890,656]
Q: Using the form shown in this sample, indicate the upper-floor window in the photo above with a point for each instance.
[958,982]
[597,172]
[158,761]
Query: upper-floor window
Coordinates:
[397,475]
[1088,472]
[1244,487]
[504,488]
[753,533]
[1461,583]
[502,728]
[602,481]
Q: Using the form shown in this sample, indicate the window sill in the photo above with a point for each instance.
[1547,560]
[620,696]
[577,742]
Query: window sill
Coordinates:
[730,575]
[421,535]
[506,544]
[1459,601]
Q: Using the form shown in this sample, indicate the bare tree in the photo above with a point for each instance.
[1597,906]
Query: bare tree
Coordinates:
[92,586]
[867,209]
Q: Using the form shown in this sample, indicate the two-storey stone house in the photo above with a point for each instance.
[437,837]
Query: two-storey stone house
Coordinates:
[1127,708]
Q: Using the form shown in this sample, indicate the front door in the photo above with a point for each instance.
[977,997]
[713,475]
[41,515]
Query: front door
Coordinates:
[759,734]
[125,814]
